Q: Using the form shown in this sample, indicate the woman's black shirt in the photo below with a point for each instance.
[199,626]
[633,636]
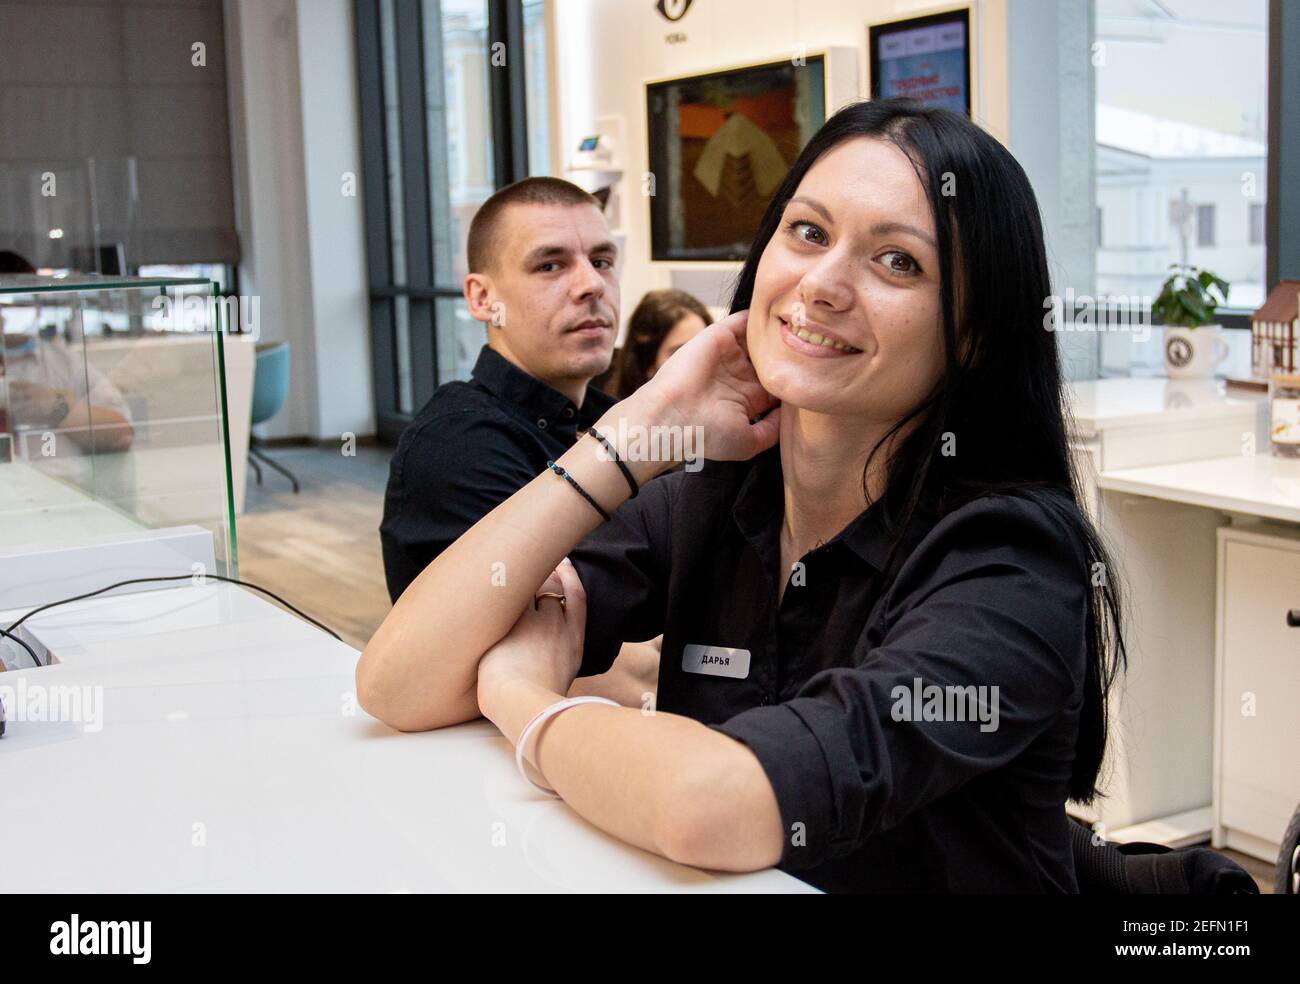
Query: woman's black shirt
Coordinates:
[919,735]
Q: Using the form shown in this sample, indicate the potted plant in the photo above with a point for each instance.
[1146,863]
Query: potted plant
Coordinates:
[1186,306]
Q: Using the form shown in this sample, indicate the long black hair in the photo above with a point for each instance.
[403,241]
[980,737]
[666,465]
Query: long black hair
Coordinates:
[1001,392]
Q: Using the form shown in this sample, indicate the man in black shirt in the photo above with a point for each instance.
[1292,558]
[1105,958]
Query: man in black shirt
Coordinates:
[542,281]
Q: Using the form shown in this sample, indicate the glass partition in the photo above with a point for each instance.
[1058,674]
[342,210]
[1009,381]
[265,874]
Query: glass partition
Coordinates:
[112,412]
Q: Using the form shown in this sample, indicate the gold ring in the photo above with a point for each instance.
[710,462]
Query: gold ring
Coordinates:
[564,604]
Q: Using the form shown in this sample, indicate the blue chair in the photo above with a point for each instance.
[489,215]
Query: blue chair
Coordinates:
[270,388]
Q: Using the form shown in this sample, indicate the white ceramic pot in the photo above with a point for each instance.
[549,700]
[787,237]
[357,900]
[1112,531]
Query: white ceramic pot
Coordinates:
[1193,353]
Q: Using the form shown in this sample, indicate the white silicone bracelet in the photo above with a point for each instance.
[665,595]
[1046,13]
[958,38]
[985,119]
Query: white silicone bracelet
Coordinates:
[549,712]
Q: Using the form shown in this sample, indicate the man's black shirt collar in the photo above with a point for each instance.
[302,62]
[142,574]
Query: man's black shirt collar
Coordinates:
[506,381]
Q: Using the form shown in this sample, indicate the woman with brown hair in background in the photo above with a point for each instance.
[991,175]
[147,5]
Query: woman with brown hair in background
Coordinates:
[663,322]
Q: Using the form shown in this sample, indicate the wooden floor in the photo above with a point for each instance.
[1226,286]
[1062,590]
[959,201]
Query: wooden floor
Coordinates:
[320,549]
[1261,871]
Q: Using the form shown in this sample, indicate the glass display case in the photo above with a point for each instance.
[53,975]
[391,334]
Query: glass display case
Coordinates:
[112,422]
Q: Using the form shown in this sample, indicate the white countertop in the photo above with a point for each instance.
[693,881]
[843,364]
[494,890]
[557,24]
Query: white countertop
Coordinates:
[230,758]
[1131,401]
[1258,485]
[58,502]
[36,507]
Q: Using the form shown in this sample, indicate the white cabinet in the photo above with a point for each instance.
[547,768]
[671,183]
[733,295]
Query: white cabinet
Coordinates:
[1158,769]
[1257,721]
[1166,558]
[1135,423]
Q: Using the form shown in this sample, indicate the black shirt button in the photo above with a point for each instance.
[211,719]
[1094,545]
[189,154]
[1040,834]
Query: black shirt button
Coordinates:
[541,422]
[568,411]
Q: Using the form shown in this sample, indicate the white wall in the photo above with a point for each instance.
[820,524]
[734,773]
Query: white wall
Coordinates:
[606,50]
[1051,132]
[265,121]
[335,219]
[294,132]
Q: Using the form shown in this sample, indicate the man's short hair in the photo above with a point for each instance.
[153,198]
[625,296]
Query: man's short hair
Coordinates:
[530,191]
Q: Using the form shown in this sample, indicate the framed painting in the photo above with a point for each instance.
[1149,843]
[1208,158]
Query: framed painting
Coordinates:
[719,145]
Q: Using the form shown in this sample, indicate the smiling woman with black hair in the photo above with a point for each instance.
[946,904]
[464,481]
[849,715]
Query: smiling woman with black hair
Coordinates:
[889,631]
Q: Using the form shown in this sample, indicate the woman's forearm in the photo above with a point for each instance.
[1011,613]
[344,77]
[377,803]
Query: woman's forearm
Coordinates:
[633,680]
[665,783]
[419,671]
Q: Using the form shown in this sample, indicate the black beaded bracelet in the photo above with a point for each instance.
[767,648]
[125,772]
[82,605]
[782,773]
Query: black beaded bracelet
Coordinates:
[560,470]
[631,482]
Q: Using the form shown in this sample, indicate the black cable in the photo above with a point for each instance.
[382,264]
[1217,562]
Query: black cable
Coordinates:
[5,633]
[175,577]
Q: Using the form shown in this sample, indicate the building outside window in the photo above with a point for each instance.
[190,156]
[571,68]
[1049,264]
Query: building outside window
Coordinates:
[1181,169]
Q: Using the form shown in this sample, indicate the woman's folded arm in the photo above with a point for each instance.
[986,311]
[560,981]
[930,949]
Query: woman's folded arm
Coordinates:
[662,782]
[419,671]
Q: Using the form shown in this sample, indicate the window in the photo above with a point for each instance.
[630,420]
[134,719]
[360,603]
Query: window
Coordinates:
[1177,148]
[539,86]
[113,140]
[1205,225]
[446,120]
[1255,219]
[223,275]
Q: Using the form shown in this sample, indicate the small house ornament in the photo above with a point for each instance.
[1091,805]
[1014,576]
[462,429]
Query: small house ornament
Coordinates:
[1275,332]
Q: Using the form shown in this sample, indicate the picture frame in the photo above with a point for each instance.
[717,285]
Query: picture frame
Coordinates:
[927,58]
[709,186]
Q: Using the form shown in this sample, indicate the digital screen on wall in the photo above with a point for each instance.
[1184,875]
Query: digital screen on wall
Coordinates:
[720,145]
[924,58]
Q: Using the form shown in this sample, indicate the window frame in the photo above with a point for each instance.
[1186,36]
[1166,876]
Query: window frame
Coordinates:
[509,123]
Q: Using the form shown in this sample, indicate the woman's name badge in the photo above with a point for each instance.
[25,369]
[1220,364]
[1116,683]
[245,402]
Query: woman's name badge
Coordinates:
[716,661]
